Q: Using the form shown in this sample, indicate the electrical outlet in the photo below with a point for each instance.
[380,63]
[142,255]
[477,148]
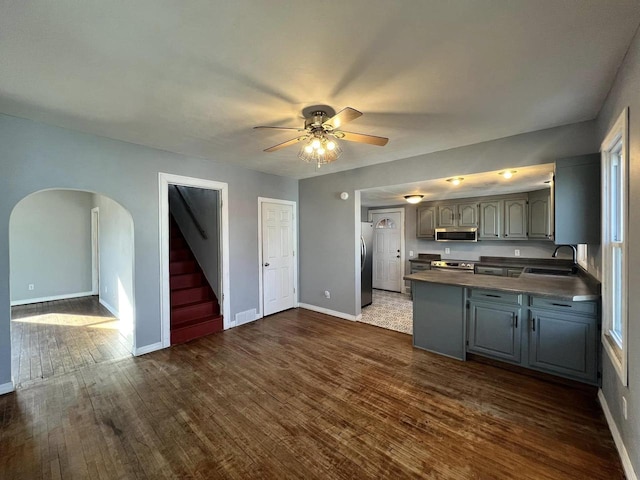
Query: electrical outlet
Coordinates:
[517,252]
[327,294]
[624,407]
[31,286]
[447,250]
[410,253]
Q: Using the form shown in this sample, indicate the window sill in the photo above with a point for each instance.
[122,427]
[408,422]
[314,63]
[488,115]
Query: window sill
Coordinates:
[616,355]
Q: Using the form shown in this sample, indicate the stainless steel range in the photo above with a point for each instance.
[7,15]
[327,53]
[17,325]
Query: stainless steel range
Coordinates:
[453,265]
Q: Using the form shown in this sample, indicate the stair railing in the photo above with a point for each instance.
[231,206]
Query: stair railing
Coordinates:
[187,205]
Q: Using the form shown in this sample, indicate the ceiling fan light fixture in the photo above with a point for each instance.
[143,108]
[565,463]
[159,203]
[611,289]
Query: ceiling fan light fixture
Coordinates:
[414,198]
[455,180]
[326,151]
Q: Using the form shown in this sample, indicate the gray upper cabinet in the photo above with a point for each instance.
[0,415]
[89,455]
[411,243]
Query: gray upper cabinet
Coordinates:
[447,215]
[515,219]
[490,220]
[577,200]
[426,225]
[540,214]
[468,214]
[458,215]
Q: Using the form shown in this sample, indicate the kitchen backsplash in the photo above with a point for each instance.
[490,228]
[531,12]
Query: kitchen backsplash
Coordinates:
[473,251]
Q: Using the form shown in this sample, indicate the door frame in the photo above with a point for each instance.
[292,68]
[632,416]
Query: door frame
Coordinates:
[400,210]
[294,241]
[164,180]
[95,251]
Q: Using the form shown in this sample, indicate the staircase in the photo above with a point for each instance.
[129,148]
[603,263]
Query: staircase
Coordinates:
[195,310]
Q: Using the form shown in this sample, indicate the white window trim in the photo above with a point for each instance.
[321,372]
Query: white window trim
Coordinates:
[582,254]
[617,353]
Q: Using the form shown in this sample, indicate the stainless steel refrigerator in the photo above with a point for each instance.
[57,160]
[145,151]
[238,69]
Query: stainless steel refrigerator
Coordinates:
[366,263]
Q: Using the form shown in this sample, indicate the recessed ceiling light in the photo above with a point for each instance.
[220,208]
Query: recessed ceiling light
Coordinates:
[507,173]
[455,180]
[413,198]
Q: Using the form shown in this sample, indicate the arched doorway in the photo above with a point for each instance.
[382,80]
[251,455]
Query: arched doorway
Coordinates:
[71,282]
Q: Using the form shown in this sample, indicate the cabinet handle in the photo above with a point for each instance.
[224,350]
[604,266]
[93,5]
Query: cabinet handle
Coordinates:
[561,305]
[490,295]
[533,324]
[516,321]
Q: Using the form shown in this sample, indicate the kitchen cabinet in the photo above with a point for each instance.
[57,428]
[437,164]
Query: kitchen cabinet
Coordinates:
[458,215]
[563,339]
[495,271]
[576,200]
[515,219]
[490,220]
[494,330]
[426,222]
[540,214]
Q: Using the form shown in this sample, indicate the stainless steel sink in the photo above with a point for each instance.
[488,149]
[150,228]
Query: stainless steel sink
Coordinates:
[561,272]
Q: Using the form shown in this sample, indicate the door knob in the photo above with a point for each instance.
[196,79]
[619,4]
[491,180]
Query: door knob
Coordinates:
[397,256]
[266,264]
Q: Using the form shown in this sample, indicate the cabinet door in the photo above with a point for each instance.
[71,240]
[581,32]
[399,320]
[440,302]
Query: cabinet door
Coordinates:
[446,215]
[494,331]
[539,215]
[426,222]
[564,344]
[490,220]
[468,215]
[515,219]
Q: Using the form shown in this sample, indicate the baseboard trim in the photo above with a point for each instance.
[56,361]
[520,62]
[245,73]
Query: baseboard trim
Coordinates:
[147,349]
[6,388]
[327,311]
[109,307]
[615,433]
[52,298]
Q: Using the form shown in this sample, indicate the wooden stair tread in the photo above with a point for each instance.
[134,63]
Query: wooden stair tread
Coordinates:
[196,321]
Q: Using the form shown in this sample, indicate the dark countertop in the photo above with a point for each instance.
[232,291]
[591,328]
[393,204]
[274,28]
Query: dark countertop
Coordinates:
[523,262]
[425,257]
[579,288]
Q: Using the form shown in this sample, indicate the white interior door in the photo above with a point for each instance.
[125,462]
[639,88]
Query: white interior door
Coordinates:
[277,257]
[387,251]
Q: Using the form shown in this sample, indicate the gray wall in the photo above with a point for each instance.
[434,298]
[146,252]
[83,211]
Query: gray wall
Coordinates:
[626,93]
[34,156]
[116,260]
[204,204]
[50,239]
[327,224]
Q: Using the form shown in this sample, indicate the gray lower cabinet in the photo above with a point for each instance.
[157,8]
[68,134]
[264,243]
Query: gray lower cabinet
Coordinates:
[554,336]
[564,343]
[494,330]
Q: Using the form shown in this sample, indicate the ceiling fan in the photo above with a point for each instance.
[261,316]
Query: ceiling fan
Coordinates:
[319,132]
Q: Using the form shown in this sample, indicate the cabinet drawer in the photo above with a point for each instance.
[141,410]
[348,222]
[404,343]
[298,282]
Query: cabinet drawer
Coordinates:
[490,271]
[496,296]
[420,267]
[586,308]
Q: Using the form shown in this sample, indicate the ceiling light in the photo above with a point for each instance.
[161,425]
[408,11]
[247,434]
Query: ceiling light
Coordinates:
[413,198]
[455,180]
[320,149]
[507,173]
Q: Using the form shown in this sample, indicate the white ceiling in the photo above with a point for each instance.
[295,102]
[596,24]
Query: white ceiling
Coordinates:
[525,179]
[195,77]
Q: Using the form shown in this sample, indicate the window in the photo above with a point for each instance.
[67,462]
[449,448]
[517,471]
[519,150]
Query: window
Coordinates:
[386,223]
[615,160]
[582,256]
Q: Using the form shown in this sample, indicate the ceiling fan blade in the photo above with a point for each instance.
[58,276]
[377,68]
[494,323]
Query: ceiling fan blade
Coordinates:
[284,128]
[361,138]
[286,144]
[343,116]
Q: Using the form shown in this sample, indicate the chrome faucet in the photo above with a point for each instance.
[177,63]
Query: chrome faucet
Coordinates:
[575,252]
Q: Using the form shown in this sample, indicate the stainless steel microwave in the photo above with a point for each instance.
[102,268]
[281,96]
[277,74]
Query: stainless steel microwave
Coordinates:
[457,234]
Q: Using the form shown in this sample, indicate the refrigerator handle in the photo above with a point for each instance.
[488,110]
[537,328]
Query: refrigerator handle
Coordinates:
[363,252]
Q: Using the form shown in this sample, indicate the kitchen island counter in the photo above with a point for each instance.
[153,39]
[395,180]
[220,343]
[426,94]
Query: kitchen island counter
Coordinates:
[572,288]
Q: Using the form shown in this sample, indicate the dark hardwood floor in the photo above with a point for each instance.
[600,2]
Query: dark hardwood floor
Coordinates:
[52,338]
[302,395]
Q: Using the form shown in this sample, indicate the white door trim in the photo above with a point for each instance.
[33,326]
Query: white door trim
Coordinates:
[95,251]
[294,241]
[403,288]
[164,180]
